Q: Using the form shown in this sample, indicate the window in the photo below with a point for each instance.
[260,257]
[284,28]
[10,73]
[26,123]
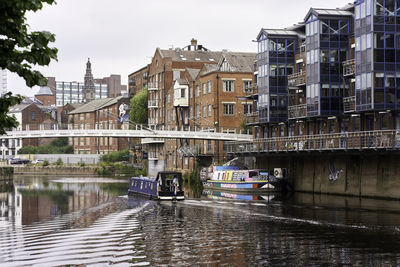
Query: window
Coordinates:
[197,90]
[209,87]
[204,112]
[191,92]
[204,89]
[168,98]
[177,75]
[246,86]
[209,110]
[33,115]
[228,109]
[247,108]
[228,85]
[183,92]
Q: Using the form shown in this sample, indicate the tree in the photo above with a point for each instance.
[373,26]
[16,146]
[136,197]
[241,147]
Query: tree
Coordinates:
[138,113]
[20,50]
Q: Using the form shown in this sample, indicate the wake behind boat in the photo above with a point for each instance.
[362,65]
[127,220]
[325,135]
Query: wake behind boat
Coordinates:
[166,186]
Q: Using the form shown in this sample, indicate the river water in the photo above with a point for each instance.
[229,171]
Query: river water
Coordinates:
[57,221]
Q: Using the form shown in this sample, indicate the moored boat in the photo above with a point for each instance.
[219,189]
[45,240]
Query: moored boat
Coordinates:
[231,178]
[166,186]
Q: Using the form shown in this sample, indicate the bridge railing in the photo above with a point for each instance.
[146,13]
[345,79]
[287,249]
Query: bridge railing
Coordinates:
[371,140]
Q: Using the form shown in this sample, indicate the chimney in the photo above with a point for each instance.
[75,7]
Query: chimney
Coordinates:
[193,43]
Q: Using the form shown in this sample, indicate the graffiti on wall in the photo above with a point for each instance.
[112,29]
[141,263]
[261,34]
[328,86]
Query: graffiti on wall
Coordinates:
[334,173]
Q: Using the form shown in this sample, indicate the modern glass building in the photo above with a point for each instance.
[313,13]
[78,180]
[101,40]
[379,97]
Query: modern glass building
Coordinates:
[337,71]
[71,92]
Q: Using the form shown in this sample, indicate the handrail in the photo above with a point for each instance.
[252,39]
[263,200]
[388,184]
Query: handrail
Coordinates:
[366,140]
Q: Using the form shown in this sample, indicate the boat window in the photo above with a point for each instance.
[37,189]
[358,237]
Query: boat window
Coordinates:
[141,185]
[252,174]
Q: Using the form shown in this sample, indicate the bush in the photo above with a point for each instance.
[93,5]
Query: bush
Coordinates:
[82,164]
[46,163]
[59,162]
[115,156]
[57,146]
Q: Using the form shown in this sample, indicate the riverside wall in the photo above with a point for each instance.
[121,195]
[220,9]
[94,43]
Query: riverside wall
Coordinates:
[55,170]
[359,174]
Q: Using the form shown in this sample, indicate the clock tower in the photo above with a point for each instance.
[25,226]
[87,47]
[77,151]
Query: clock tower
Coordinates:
[89,92]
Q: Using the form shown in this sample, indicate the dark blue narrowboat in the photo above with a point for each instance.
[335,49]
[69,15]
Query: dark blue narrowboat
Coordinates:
[166,186]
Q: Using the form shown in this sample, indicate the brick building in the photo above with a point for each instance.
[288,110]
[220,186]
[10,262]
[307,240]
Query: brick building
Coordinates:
[138,80]
[30,117]
[99,114]
[216,101]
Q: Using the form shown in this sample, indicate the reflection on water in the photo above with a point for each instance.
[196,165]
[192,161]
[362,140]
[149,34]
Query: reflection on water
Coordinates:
[50,222]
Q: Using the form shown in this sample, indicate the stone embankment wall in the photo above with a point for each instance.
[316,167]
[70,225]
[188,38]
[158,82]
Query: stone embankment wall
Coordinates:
[359,174]
[57,170]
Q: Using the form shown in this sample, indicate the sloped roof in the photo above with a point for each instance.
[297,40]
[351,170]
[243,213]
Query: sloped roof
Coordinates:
[327,12]
[208,68]
[96,105]
[239,61]
[191,56]
[282,32]
[44,91]
[18,108]
[193,73]
[183,81]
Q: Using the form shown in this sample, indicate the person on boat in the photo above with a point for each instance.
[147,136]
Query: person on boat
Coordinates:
[175,184]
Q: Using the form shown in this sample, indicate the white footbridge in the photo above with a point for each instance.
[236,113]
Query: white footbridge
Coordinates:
[138,131]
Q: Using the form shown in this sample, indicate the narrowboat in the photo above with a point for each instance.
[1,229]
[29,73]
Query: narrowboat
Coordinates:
[231,178]
[166,186]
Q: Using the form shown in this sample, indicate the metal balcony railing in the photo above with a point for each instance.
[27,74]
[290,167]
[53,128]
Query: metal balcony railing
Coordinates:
[152,86]
[251,118]
[252,90]
[360,141]
[153,103]
[297,112]
[297,79]
[349,104]
[349,67]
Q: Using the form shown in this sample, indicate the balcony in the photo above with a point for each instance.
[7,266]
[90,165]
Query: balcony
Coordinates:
[349,67]
[153,103]
[349,104]
[297,79]
[251,91]
[297,112]
[152,87]
[251,118]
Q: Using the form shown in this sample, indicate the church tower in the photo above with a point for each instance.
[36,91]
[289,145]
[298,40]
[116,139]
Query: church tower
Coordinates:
[89,92]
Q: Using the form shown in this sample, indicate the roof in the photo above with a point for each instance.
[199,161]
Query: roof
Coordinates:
[327,12]
[44,90]
[18,108]
[193,73]
[96,105]
[239,61]
[183,82]
[281,32]
[208,68]
[192,56]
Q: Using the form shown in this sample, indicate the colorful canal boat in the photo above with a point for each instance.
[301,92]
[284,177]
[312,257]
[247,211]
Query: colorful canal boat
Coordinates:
[230,178]
[166,186]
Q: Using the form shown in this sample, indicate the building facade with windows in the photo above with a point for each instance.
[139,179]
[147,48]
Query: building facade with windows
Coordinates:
[335,72]
[99,114]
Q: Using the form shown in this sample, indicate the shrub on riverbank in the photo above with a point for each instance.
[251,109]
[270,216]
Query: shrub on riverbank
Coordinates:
[117,169]
[115,156]
[57,146]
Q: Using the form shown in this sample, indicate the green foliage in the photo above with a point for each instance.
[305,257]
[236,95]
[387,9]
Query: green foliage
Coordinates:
[115,156]
[6,102]
[117,169]
[138,113]
[20,50]
[59,162]
[57,146]
[246,128]
[46,163]
[82,164]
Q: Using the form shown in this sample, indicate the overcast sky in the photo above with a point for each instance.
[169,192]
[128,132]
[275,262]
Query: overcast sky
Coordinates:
[120,36]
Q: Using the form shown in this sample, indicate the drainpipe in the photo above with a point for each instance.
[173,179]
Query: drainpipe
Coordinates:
[218,142]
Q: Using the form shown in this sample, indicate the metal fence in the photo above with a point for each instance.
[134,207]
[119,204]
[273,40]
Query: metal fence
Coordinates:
[371,140]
